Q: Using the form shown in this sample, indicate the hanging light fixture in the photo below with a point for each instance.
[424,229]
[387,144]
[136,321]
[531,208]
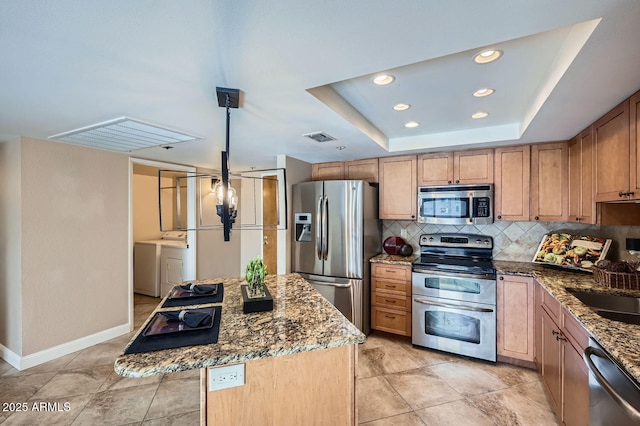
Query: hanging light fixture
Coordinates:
[227,201]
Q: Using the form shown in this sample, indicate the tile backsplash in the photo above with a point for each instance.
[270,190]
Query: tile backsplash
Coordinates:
[517,241]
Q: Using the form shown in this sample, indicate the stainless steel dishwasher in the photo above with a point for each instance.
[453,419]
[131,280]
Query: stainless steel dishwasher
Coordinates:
[614,397]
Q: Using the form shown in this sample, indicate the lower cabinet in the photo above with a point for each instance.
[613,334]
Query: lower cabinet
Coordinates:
[391,298]
[560,343]
[515,310]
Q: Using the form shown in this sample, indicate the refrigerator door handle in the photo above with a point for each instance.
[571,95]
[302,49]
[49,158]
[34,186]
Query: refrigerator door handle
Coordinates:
[319,221]
[325,222]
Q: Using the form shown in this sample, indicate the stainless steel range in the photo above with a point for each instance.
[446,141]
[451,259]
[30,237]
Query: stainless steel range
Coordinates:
[454,295]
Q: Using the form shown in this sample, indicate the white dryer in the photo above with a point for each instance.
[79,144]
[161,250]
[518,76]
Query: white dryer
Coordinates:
[147,262]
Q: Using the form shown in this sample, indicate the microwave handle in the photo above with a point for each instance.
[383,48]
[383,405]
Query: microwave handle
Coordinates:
[471,216]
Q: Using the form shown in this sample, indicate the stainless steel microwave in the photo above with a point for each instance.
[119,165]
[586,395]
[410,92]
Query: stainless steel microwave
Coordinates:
[456,204]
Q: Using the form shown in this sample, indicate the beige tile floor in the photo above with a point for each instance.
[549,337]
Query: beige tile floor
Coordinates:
[397,385]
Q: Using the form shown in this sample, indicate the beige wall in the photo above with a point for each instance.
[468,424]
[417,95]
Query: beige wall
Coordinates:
[10,242]
[146,221]
[215,257]
[297,171]
[74,243]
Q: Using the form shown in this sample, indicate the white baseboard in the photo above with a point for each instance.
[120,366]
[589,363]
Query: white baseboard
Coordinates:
[24,362]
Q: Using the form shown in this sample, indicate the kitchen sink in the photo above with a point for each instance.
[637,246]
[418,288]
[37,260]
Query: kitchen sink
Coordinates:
[614,307]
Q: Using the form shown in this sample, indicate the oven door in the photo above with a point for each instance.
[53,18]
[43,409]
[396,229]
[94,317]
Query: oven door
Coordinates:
[455,286]
[462,328]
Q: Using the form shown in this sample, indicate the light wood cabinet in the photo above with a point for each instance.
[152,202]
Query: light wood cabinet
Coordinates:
[549,192]
[560,342]
[512,182]
[458,167]
[612,154]
[634,148]
[391,298]
[515,317]
[327,171]
[582,208]
[366,170]
[398,189]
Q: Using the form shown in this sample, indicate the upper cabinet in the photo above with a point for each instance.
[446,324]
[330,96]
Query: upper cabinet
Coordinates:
[582,208]
[549,194]
[512,182]
[612,154]
[459,167]
[358,169]
[362,170]
[327,171]
[398,187]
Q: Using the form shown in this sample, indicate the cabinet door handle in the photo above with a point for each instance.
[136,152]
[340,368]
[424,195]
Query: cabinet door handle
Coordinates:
[621,194]
[449,182]
[555,333]
[564,339]
[501,278]
[537,218]
[390,317]
[457,181]
[499,216]
[390,301]
[391,271]
[389,286]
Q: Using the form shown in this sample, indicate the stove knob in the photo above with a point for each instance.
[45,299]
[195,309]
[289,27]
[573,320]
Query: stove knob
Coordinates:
[486,242]
[430,239]
[478,241]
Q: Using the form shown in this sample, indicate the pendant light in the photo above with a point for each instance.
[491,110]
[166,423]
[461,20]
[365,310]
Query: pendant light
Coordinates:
[227,201]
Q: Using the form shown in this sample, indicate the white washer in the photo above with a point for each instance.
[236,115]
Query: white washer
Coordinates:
[147,262]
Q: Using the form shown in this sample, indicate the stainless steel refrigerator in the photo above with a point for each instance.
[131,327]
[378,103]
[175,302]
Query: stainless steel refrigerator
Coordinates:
[336,232]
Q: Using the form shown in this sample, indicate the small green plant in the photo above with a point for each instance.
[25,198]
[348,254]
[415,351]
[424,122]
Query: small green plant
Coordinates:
[255,273]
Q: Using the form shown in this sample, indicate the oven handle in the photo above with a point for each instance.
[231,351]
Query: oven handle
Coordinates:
[455,274]
[450,306]
[602,381]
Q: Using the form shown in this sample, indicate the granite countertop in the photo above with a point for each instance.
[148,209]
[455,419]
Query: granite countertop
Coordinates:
[302,320]
[393,259]
[621,340]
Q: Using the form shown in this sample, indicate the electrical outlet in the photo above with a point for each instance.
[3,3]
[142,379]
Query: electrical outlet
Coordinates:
[225,377]
[404,233]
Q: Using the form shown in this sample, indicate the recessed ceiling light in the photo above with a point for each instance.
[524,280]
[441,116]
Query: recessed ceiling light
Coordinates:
[383,79]
[411,124]
[341,147]
[480,115]
[483,92]
[401,107]
[487,56]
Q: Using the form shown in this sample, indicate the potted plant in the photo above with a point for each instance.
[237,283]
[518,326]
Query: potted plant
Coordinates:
[255,295]
[255,273]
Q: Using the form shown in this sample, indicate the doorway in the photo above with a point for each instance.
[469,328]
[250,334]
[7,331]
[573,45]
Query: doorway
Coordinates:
[270,223]
[148,195]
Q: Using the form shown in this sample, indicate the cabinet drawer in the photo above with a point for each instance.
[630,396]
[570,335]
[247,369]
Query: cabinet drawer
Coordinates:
[391,321]
[385,285]
[393,301]
[396,272]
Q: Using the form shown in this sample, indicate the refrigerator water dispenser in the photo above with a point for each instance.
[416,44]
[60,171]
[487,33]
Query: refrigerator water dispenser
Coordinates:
[303,227]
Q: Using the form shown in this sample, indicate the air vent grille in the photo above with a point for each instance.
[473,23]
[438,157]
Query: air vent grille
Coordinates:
[320,137]
[124,135]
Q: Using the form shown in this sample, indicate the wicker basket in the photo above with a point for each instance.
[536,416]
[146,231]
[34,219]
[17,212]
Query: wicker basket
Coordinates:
[620,280]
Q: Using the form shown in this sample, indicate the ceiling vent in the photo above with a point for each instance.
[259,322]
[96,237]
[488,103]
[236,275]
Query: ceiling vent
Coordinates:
[320,136]
[123,134]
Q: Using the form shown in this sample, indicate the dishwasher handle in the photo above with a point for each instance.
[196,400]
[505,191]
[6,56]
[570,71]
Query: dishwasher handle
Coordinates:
[628,408]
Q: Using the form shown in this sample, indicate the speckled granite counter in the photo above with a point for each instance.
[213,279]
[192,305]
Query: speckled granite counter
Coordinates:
[621,340]
[302,320]
[393,260]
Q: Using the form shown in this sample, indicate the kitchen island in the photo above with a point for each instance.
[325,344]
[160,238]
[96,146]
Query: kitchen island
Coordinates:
[300,358]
